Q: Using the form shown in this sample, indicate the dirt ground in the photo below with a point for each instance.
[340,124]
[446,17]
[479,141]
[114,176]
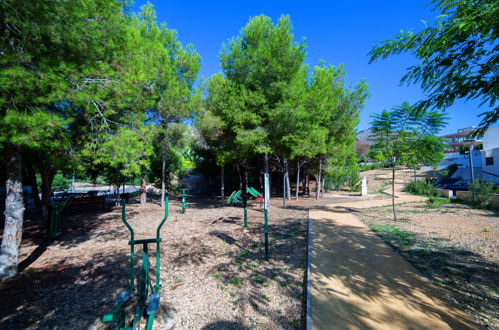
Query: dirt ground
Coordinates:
[454,246]
[380,179]
[213,270]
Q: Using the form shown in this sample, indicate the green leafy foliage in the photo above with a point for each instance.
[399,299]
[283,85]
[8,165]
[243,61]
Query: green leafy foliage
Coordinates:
[457,56]
[406,135]
[59,183]
[435,202]
[483,193]
[123,155]
[345,177]
[258,66]
[395,236]
[420,188]
[266,101]
[409,135]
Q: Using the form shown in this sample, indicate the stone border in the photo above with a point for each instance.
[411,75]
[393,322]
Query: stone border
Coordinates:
[309,279]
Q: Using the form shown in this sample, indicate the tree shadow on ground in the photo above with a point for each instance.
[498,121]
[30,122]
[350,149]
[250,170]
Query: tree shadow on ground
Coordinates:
[361,266]
[46,298]
[226,325]
[247,265]
[72,284]
[76,226]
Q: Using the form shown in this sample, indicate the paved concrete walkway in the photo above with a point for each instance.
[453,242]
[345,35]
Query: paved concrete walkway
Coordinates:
[358,282]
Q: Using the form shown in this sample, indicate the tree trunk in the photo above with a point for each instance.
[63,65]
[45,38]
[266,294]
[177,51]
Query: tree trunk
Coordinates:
[244,187]
[284,190]
[47,179]
[240,178]
[222,184]
[284,181]
[34,187]
[143,191]
[297,179]
[318,181]
[117,194]
[14,212]
[393,190]
[288,184]
[307,184]
[163,169]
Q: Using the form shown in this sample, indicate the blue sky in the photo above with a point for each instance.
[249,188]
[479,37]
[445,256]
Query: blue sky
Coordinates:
[335,31]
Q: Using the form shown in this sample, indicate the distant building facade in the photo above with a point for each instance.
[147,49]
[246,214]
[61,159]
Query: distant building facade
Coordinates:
[490,155]
[485,161]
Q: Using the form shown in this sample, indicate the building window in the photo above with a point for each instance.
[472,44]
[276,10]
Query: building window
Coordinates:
[489,161]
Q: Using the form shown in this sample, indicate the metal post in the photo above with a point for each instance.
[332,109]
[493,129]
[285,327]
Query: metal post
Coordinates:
[472,174]
[266,232]
[245,220]
[158,250]
[266,214]
[184,200]
[132,246]
[284,191]
[471,164]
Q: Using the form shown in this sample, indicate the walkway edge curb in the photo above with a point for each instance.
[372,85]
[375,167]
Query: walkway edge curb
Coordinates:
[309,279]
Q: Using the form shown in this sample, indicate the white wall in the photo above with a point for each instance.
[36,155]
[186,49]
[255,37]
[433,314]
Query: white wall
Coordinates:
[464,160]
[491,138]
[491,172]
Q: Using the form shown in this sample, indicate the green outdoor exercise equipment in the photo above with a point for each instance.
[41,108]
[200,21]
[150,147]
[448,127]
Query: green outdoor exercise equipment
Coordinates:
[184,200]
[237,198]
[55,217]
[144,308]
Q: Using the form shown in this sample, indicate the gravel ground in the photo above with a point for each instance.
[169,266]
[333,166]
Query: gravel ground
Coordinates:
[455,246]
[213,270]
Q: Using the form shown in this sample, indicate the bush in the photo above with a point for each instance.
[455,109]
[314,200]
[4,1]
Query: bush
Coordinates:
[420,188]
[375,166]
[59,183]
[484,193]
[343,178]
[435,202]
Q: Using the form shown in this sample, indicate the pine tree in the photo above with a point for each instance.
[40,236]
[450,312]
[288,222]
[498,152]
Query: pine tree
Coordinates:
[47,46]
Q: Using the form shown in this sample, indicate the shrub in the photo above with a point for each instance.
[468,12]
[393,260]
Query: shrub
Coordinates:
[344,177]
[435,202]
[484,193]
[420,188]
[59,183]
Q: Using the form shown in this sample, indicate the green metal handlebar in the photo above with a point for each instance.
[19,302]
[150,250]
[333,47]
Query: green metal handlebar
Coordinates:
[164,219]
[132,233]
[123,218]
[133,242]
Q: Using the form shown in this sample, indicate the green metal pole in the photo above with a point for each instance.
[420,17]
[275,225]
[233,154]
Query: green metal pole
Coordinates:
[132,246]
[184,200]
[245,222]
[266,212]
[266,232]
[158,250]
